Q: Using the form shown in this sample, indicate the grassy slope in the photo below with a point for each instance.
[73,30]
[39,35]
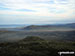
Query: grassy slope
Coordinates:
[35,46]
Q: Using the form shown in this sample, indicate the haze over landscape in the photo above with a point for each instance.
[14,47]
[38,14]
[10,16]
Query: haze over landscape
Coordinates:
[37,27]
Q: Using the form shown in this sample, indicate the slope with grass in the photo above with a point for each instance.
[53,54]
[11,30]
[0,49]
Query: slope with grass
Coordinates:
[35,46]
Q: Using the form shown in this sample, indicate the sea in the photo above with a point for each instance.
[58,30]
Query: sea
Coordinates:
[12,26]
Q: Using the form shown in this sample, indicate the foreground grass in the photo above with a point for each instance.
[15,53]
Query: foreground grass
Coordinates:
[35,46]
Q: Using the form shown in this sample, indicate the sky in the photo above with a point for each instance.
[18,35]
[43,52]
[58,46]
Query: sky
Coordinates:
[37,11]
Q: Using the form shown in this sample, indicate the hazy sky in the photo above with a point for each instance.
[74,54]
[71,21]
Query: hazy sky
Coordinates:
[37,11]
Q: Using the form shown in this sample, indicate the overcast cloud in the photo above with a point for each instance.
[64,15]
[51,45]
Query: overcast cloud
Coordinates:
[37,11]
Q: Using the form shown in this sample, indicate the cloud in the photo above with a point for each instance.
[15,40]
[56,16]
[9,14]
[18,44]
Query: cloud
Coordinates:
[27,10]
[1,8]
[38,10]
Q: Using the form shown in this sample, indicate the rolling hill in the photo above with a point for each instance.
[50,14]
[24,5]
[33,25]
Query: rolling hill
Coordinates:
[61,26]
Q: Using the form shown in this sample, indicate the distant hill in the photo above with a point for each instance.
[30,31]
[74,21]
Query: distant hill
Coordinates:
[64,32]
[37,26]
[72,25]
[32,27]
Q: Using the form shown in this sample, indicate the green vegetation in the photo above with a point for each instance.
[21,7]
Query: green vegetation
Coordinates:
[35,46]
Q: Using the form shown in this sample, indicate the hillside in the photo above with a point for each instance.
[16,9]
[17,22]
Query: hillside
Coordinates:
[70,26]
[35,46]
